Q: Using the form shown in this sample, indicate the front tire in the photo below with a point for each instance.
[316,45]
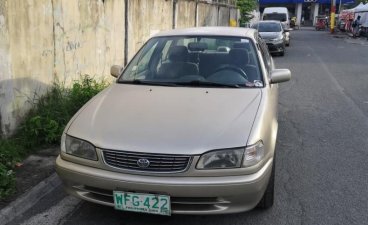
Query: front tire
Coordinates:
[268,197]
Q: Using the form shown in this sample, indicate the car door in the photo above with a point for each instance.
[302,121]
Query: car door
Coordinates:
[271,90]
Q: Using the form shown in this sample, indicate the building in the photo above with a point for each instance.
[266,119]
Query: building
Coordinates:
[303,9]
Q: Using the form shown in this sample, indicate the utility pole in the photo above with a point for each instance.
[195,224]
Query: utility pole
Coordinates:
[332,17]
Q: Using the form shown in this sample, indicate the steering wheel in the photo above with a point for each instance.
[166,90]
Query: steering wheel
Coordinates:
[239,70]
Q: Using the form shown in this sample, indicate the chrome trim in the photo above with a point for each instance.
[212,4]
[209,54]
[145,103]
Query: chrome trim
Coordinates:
[190,159]
[98,194]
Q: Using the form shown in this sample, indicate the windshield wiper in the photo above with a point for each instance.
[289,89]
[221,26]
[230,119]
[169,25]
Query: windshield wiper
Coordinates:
[207,84]
[147,82]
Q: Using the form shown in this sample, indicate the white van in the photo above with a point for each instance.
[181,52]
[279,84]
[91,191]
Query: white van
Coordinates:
[277,13]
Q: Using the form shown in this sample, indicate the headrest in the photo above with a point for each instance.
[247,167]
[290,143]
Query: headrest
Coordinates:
[178,54]
[239,56]
[223,49]
[197,46]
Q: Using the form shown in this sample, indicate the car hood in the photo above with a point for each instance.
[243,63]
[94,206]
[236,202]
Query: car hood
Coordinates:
[269,35]
[171,120]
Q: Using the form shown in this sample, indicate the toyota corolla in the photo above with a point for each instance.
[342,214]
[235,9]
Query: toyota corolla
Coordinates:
[189,127]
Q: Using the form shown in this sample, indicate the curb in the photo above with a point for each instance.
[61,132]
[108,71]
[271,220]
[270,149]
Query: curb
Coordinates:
[29,199]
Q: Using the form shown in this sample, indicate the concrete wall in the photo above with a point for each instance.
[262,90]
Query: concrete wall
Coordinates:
[207,14]
[42,41]
[145,18]
[224,16]
[185,14]
[89,37]
[6,90]
[25,67]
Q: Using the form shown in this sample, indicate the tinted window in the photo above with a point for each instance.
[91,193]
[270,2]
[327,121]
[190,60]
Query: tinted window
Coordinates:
[275,16]
[268,27]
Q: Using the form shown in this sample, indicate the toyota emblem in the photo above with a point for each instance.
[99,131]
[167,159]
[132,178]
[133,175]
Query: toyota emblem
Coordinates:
[143,163]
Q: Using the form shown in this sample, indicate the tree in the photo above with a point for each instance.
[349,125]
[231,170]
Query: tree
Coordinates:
[246,7]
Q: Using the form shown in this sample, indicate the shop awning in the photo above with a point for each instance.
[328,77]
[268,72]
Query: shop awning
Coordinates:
[361,8]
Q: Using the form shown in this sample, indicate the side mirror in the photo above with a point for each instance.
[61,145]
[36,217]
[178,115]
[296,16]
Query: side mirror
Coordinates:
[280,75]
[115,70]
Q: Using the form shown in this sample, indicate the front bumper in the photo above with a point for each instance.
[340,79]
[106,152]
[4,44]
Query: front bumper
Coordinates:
[189,195]
[275,47]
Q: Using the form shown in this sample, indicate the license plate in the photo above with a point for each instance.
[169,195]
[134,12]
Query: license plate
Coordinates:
[145,203]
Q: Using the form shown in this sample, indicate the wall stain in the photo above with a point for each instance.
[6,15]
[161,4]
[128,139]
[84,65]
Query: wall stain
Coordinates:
[47,52]
[72,45]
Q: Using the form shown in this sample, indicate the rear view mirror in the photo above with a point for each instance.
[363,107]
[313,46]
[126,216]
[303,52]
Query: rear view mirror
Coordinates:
[280,75]
[115,70]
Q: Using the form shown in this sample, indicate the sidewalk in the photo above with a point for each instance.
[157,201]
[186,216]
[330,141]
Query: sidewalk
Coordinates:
[357,40]
[35,177]
[350,39]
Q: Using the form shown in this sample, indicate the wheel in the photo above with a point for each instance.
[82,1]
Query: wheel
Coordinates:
[282,53]
[288,44]
[267,199]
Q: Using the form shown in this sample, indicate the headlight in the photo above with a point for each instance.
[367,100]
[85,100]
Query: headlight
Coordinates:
[253,154]
[279,38]
[78,147]
[232,158]
[222,159]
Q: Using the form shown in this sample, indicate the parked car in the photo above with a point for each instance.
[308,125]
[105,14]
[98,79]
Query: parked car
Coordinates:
[287,34]
[277,13]
[189,127]
[273,34]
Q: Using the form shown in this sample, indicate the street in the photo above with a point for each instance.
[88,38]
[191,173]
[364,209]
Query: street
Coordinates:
[322,147]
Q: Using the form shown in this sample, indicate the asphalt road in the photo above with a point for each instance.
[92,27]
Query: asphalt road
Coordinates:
[322,149]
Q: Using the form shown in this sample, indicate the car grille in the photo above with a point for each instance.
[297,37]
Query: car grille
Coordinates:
[157,162]
[271,47]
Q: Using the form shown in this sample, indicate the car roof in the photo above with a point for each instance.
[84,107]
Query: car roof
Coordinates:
[210,31]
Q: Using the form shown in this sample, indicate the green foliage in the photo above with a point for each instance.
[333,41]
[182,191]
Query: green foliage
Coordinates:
[10,153]
[44,125]
[52,111]
[246,7]
[7,181]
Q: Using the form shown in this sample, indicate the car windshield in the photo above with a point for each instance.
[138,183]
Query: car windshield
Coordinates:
[199,61]
[268,27]
[275,16]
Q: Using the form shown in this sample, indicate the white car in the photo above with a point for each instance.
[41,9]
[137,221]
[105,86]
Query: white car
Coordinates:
[189,127]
